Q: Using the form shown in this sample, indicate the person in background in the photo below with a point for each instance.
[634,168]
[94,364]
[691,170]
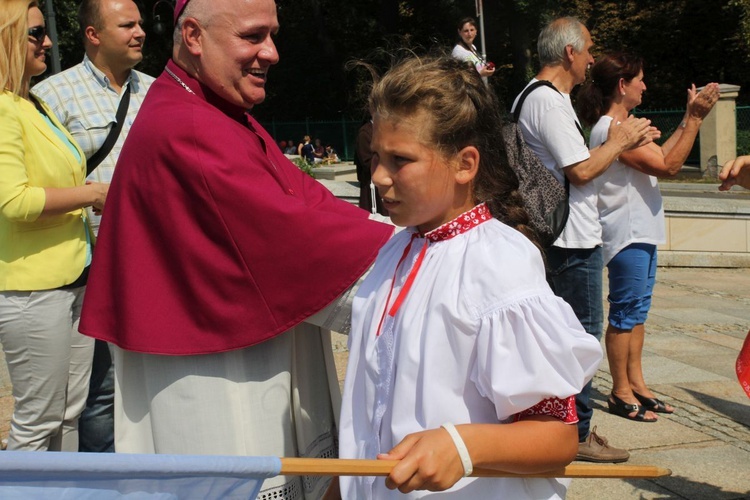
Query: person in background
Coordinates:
[86,99]
[319,151]
[331,155]
[46,245]
[460,354]
[306,149]
[291,149]
[464,50]
[226,257]
[551,129]
[631,214]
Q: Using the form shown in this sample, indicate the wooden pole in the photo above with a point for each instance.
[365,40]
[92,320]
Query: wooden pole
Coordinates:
[343,467]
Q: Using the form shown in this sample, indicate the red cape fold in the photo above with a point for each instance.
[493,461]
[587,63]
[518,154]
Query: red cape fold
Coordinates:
[743,365]
[211,239]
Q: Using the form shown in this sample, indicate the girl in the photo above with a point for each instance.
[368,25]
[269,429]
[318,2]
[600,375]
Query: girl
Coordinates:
[632,219]
[460,354]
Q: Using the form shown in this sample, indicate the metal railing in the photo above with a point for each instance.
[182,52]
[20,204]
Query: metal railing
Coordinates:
[340,134]
[743,130]
[667,120]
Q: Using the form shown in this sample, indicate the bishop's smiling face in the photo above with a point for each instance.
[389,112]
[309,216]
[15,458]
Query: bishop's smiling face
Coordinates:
[238,49]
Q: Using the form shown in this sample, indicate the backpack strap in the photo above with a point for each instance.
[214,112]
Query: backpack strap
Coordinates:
[531,88]
[517,112]
[528,90]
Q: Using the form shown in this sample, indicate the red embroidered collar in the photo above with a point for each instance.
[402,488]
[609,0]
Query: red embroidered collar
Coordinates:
[461,224]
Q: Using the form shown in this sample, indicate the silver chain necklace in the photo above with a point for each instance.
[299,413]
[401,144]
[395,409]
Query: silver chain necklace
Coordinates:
[178,80]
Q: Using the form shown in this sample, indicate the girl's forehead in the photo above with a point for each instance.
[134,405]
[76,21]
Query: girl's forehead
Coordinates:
[416,121]
[409,127]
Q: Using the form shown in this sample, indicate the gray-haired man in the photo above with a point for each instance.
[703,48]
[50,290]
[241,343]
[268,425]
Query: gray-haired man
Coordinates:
[551,129]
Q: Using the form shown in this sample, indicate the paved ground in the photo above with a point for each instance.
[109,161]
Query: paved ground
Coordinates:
[696,328]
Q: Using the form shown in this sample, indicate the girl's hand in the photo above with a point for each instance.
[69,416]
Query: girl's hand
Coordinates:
[701,103]
[428,461]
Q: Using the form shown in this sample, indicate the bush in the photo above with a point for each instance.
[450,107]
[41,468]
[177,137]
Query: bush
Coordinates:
[743,142]
[304,166]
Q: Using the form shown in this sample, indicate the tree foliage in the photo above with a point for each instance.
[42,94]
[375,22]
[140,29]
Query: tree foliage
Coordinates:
[682,41]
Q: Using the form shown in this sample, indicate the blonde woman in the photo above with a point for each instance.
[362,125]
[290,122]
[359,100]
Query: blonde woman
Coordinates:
[46,245]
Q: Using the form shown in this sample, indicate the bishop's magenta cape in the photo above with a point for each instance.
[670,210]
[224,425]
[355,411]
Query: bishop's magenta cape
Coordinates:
[211,239]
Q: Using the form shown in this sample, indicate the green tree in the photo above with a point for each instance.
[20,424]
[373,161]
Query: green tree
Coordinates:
[682,41]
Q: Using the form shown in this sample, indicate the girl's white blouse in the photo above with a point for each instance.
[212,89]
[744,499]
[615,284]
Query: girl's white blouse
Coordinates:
[480,337]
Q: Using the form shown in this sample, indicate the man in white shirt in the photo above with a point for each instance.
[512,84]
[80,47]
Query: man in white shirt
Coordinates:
[551,129]
[85,98]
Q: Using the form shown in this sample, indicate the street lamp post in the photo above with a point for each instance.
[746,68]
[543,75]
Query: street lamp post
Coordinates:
[480,16]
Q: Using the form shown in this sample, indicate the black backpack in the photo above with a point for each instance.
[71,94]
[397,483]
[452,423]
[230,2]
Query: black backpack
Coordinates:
[545,199]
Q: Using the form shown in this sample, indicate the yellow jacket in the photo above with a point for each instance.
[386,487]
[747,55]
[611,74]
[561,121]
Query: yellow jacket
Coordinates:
[37,253]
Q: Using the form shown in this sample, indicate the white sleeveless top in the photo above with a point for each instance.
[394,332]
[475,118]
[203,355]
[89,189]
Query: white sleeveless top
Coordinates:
[630,205]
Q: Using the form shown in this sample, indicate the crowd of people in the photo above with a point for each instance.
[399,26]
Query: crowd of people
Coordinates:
[311,151]
[166,280]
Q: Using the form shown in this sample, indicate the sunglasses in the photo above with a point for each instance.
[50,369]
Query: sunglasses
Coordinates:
[38,33]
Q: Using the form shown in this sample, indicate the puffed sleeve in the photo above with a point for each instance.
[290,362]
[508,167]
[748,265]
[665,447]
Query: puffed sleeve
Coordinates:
[18,200]
[533,351]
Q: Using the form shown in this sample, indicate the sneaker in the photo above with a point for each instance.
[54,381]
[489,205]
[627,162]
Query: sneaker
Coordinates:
[596,449]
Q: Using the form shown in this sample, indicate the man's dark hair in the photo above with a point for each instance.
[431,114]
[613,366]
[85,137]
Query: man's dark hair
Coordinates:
[90,14]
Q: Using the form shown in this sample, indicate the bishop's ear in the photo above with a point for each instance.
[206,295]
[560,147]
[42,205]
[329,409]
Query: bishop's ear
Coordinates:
[192,36]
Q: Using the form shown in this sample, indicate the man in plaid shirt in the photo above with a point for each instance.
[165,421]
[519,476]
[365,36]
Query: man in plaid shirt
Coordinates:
[85,99]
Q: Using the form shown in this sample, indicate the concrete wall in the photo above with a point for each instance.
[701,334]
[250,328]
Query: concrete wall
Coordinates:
[705,228]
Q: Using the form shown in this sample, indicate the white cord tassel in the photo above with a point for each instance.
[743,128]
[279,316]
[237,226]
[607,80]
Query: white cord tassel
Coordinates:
[373,198]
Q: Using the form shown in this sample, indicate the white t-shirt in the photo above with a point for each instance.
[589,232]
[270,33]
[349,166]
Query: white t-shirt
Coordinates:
[461,53]
[479,337]
[630,205]
[548,123]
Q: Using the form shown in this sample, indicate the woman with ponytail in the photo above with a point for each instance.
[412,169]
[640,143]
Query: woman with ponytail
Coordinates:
[632,219]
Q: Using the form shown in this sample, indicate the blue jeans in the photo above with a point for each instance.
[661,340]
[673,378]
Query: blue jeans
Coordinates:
[96,425]
[575,275]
